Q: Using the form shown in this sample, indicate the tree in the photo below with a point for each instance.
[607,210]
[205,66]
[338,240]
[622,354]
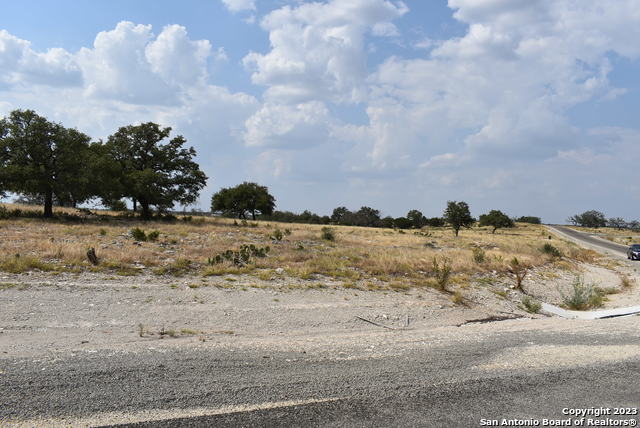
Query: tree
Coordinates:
[242,199]
[590,218]
[434,222]
[457,214]
[529,219]
[416,218]
[402,223]
[617,223]
[151,173]
[44,159]
[338,214]
[366,216]
[496,219]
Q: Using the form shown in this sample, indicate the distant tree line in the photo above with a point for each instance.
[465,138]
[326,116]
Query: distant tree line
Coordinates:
[251,199]
[596,219]
[46,163]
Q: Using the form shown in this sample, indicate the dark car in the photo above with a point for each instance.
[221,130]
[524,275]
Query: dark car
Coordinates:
[633,252]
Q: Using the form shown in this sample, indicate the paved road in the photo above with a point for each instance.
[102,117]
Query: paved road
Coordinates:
[584,237]
[506,374]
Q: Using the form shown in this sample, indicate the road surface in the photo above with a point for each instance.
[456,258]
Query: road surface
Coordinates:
[585,238]
[491,371]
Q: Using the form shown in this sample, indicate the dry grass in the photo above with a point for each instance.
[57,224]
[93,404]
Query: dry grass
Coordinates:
[357,256]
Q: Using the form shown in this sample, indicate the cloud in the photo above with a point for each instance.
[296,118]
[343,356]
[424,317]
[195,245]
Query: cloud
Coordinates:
[291,126]
[131,64]
[317,49]
[236,6]
[21,65]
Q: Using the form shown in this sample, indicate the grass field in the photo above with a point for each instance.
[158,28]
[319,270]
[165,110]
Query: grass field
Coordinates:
[398,258]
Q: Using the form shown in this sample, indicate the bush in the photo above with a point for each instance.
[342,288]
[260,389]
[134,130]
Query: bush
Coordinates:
[153,235]
[582,296]
[442,273]
[328,234]
[551,251]
[531,305]
[138,234]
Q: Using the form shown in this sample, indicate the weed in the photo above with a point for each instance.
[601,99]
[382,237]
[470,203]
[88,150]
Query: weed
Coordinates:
[103,232]
[153,235]
[399,286]
[327,234]
[519,270]
[141,330]
[188,332]
[502,293]
[442,273]
[626,282]
[457,298]
[479,255]
[582,296]
[531,305]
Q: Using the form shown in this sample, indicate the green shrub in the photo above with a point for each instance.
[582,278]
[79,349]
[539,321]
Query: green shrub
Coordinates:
[328,234]
[582,296]
[551,251]
[103,232]
[153,235]
[531,305]
[442,273]
[138,234]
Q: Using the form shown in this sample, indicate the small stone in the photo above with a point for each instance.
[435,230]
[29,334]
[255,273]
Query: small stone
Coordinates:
[279,271]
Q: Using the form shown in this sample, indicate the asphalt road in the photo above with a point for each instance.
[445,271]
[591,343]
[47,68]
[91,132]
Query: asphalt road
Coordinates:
[440,386]
[612,246]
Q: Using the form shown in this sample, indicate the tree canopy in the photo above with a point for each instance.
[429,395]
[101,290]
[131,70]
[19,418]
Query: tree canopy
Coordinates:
[243,199]
[457,214]
[590,218]
[152,173]
[496,219]
[44,159]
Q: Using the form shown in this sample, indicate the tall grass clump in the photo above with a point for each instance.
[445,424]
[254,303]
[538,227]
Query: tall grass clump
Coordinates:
[479,255]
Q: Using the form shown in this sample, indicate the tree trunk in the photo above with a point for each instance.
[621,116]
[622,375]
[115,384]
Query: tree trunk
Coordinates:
[48,204]
[457,230]
[146,212]
[135,205]
[253,214]
[494,230]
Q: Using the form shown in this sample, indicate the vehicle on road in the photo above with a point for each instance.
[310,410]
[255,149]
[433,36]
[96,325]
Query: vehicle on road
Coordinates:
[633,252]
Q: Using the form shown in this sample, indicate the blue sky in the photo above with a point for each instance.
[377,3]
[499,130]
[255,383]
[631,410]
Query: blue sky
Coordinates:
[527,106]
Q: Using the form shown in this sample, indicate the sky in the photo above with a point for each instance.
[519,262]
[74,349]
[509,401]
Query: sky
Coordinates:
[526,106]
